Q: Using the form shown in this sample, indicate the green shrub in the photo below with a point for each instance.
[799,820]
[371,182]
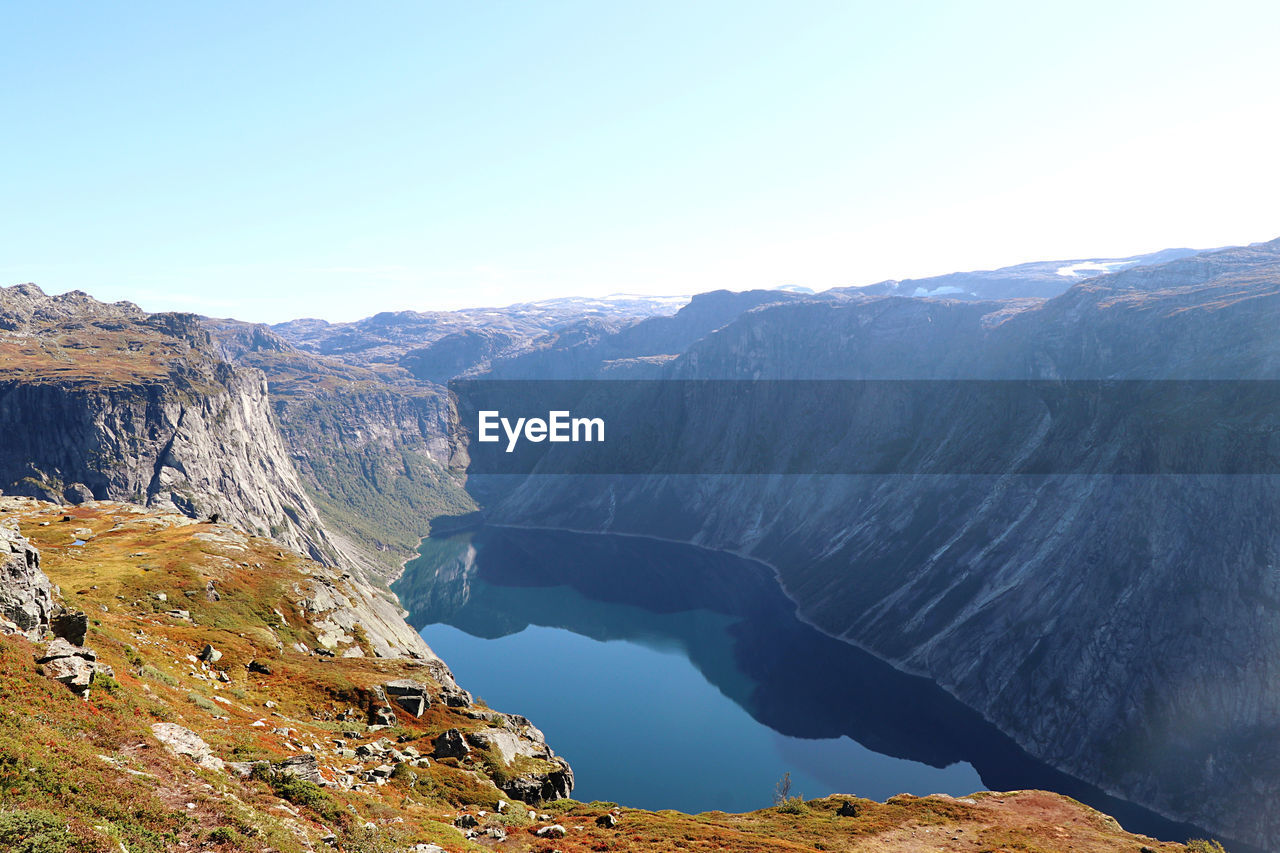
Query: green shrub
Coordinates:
[300,792]
[150,673]
[105,682]
[33,831]
[793,806]
[201,702]
[1204,845]
[225,835]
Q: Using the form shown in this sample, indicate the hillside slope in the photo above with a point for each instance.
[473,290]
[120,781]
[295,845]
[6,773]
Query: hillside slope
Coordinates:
[212,722]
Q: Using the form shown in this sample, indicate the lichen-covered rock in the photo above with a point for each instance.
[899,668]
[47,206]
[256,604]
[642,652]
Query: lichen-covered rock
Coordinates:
[450,744]
[302,766]
[26,596]
[70,664]
[183,741]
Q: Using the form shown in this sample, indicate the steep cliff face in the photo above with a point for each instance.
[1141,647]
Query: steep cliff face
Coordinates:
[372,444]
[105,401]
[1118,626]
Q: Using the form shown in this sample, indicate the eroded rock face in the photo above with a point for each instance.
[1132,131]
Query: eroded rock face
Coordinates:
[410,695]
[155,417]
[26,596]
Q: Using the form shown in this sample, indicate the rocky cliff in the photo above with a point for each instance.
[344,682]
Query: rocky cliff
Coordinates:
[104,401]
[373,445]
[26,597]
[108,402]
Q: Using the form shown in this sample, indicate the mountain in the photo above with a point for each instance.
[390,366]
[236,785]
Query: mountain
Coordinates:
[1110,624]
[365,417]
[1040,279]
[386,338]
[999,542]
[106,401]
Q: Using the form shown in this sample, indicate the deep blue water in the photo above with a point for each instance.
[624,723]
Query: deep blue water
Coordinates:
[674,677]
[642,726]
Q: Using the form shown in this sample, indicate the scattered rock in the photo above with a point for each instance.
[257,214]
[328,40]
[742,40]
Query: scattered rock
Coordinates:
[243,768]
[302,766]
[259,667]
[75,672]
[83,533]
[211,592]
[553,831]
[451,744]
[70,664]
[183,741]
[466,821]
[607,821]
[209,654]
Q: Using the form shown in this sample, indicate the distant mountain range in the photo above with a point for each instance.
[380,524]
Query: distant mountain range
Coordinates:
[1039,279]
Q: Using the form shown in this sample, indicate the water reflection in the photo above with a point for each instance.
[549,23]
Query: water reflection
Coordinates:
[798,700]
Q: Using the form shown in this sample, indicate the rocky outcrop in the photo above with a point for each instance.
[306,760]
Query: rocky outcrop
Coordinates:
[513,738]
[450,744]
[71,665]
[410,695]
[26,597]
[108,402]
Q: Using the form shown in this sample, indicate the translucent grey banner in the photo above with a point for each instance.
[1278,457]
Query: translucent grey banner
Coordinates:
[870,426]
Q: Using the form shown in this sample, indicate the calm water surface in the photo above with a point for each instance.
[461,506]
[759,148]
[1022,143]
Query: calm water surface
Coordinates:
[674,677]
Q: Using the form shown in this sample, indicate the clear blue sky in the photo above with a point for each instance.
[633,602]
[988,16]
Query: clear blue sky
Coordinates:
[274,160]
